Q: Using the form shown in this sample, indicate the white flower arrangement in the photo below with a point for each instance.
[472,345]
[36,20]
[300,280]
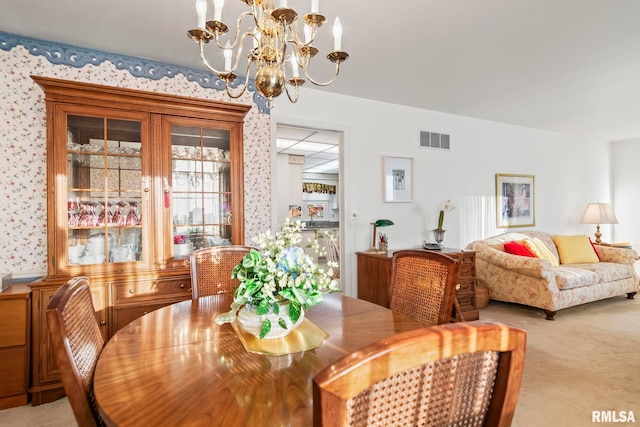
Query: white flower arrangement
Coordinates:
[278,270]
[447,207]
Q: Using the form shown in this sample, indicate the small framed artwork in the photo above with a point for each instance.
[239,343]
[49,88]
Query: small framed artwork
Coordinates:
[515,200]
[315,210]
[398,179]
[295,211]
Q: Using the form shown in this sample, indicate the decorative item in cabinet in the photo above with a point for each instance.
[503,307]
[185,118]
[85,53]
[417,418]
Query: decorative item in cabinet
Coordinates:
[15,318]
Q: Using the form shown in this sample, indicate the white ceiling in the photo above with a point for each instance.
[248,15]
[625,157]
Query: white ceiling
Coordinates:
[319,148]
[571,66]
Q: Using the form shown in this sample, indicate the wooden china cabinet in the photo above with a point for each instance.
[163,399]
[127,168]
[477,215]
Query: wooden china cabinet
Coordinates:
[136,181]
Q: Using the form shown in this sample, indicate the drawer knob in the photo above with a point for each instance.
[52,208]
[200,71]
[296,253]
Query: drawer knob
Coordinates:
[182,286]
[131,291]
[102,323]
[145,312]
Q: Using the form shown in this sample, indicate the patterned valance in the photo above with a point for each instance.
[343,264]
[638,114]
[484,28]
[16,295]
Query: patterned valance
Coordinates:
[315,187]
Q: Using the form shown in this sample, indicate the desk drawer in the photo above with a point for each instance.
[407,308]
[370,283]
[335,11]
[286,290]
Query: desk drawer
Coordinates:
[465,285]
[150,289]
[465,301]
[13,371]
[13,318]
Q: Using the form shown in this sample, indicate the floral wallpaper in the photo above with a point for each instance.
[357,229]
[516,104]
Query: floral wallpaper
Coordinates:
[23,186]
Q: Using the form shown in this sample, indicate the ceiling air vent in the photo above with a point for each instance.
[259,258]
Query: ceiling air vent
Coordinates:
[295,159]
[434,140]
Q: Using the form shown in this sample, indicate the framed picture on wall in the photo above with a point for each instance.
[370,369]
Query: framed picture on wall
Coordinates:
[398,179]
[515,200]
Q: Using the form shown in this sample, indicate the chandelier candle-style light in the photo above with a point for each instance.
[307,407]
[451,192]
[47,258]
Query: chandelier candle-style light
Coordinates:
[277,45]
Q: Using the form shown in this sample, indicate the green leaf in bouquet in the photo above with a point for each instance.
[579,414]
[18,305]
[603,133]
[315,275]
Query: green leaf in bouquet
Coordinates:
[266,327]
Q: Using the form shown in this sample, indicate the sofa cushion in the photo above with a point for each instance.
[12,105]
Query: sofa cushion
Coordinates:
[515,248]
[575,249]
[578,275]
[545,238]
[574,277]
[536,247]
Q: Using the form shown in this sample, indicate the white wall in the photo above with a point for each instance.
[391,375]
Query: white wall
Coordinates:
[569,171]
[625,177]
[282,181]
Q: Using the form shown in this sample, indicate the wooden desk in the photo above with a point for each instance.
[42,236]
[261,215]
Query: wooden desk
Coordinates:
[374,279]
[175,366]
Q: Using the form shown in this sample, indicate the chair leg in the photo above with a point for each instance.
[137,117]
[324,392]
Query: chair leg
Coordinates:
[456,305]
[550,314]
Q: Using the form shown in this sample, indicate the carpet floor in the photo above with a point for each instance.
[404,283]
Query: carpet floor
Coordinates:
[587,360]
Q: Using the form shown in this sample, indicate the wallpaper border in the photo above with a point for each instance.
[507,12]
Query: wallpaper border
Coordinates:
[78,57]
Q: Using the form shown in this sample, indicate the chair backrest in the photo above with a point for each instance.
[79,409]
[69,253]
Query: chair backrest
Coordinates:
[77,342]
[423,285]
[211,269]
[465,374]
[333,253]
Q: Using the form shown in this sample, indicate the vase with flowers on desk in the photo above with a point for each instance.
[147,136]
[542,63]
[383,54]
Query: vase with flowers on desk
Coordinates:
[438,233]
[384,243]
[278,281]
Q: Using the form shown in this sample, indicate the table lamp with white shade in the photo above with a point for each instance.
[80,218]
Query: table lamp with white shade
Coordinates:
[598,213]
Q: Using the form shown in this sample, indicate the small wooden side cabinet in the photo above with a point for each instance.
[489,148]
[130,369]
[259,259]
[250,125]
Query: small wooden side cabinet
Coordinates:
[374,279]
[15,321]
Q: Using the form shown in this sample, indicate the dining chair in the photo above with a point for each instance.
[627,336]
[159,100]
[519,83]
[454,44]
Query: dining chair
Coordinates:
[77,343]
[423,285]
[211,269]
[333,253]
[463,374]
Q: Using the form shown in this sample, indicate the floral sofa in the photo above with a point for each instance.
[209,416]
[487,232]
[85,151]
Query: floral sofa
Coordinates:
[535,282]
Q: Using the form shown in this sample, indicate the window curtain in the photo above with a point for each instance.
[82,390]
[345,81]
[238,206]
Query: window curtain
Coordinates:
[315,187]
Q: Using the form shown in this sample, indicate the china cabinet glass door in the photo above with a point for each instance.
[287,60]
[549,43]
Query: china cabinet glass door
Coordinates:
[105,189]
[202,173]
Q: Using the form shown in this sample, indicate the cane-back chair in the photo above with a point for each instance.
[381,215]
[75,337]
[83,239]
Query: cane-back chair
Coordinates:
[330,245]
[458,374]
[211,269]
[423,285]
[77,342]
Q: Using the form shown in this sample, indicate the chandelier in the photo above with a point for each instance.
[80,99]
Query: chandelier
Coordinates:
[277,45]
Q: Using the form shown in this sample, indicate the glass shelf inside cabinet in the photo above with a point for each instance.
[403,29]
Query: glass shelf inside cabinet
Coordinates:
[97,246]
[201,188]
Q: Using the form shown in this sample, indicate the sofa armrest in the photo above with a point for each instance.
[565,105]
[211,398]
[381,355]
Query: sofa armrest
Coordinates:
[534,267]
[617,255]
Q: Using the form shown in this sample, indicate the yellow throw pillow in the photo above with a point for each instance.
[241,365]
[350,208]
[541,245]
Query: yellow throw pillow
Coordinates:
[575,249]
[540,250]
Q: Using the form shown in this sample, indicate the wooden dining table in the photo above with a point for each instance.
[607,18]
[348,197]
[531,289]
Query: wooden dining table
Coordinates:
[176,367]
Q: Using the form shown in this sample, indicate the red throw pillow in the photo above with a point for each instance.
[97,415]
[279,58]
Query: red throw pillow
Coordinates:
[515,248]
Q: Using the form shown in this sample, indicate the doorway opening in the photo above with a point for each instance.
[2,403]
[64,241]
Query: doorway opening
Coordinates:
[308,166]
